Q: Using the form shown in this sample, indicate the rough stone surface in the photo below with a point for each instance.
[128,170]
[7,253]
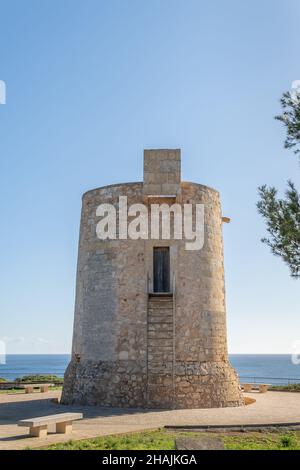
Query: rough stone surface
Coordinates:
[198,443]
[134,350]
[161,172]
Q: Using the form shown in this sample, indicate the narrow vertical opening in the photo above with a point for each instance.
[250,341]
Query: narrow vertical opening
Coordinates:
[161,269]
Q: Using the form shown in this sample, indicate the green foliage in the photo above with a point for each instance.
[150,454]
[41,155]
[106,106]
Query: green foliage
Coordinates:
[150,440]
[262,441]
[283,224]
[289,388]
[288,441]
[2,379]
[164,440]
[11,391]
[282,216]
[39,378]
[290,117]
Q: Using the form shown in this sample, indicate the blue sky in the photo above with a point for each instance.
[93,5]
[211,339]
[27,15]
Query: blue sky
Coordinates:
[90,84]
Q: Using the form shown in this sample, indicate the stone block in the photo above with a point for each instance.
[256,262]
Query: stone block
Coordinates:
[162,172]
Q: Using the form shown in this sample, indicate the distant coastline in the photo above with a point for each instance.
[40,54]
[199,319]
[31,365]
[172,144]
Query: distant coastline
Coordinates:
[252,366]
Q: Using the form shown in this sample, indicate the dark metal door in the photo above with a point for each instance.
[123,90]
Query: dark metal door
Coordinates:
[161,269]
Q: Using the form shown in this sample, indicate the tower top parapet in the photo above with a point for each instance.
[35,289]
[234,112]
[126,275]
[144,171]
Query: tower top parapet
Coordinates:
[162,172]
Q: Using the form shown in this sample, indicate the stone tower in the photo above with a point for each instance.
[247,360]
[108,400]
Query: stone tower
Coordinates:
[150,320]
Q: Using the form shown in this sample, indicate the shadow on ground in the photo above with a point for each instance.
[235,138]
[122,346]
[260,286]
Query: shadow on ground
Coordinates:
[12,412]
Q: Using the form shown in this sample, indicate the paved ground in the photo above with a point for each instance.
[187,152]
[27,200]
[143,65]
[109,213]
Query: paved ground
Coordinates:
[271,407]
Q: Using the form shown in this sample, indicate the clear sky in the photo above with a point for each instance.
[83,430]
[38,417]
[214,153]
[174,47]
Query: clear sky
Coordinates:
[90,84]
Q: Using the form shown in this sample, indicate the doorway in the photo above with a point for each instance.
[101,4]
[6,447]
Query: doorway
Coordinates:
[161,269]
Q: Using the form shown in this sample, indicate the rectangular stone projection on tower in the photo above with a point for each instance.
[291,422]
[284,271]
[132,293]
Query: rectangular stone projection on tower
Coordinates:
[162,172]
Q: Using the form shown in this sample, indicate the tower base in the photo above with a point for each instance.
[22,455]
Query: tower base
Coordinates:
[127,384]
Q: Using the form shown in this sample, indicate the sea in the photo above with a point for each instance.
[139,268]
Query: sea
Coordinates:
[271,368]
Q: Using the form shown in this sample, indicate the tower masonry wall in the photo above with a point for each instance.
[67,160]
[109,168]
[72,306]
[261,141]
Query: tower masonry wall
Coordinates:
[112,357]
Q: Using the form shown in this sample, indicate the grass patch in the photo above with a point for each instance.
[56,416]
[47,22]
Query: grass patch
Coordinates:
[39,378]
[12,391]
[288,388]
[165,440]
[150,440]
[263,441]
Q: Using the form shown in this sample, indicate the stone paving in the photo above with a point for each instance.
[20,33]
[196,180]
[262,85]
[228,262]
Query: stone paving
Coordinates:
[269,408]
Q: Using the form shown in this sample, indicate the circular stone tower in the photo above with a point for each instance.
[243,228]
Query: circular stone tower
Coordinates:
[150,320]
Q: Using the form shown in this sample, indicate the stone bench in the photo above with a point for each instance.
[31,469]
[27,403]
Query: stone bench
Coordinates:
[30,387]
[38,427]
[262,388]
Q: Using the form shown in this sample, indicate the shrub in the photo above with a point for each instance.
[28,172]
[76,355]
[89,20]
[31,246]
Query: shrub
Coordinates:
[40,378]
[287,441]
[291,387]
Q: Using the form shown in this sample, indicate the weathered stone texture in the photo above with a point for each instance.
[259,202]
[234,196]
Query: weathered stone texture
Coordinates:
[161,172]
[135,351]
[109,383]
